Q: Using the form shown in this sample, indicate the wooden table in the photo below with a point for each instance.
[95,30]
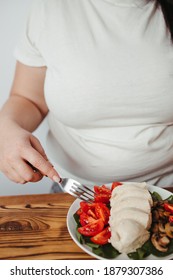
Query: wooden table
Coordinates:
[33,227]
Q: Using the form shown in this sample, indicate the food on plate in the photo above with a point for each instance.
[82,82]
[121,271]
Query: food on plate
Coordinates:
[162,226]
[94,219]
[130,216]
[126,218]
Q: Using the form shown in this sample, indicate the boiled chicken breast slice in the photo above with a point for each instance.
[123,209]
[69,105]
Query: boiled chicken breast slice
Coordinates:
[128,235]
[130,216]
[127,191]
[130,213]
[130,186]
[135,202]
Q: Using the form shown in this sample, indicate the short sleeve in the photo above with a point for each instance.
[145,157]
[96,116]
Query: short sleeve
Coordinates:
[28,50]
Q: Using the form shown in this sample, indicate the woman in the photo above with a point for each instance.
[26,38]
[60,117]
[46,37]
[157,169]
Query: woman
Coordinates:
[102,71]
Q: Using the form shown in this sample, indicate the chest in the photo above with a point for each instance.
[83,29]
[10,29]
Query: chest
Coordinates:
[101,72]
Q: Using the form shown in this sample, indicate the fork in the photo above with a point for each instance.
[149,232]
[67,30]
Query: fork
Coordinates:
[76,189]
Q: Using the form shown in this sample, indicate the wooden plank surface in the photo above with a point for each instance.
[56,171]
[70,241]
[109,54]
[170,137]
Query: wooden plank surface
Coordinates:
[34,227]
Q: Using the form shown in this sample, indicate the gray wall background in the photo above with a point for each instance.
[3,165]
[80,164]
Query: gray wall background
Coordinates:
[13,15]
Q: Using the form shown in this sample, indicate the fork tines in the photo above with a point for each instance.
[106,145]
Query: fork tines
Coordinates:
[82,192]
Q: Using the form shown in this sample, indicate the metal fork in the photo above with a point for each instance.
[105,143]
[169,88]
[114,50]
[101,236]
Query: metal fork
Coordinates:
[76,189]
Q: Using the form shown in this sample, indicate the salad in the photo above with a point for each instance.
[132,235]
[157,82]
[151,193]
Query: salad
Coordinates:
[92,229]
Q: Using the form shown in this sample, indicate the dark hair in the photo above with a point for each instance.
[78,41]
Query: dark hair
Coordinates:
[167,9]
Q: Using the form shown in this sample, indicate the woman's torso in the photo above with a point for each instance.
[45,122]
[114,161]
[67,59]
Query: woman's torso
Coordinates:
[109,89]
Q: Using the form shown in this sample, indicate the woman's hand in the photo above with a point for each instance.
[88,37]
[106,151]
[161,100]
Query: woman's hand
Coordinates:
[22,158]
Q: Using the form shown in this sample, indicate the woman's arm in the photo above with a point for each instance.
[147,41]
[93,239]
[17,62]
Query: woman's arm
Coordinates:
[27,97]
[21,114]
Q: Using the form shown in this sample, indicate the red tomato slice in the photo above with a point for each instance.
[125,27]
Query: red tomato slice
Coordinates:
[102,212]
[171,219]
[102,190]
[92,213]
[115,184]
[85,219]
[88,208]
[168,207]
[104,198]
[92,229]
[102,237]
[85,206]
[102,194]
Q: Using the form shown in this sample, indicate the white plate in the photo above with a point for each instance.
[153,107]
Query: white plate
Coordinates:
[71,225]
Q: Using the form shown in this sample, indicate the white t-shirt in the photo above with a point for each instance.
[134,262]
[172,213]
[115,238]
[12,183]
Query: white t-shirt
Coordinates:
[108,86]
